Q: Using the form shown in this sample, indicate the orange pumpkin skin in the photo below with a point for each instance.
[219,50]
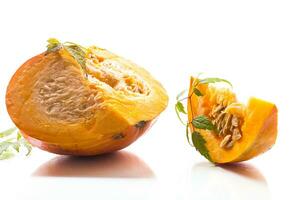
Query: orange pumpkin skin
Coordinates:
[127,137]
[259,129]
[266,136]
[60,109]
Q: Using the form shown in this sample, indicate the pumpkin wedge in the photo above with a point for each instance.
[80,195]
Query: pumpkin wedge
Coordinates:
[82,101]
[225,130]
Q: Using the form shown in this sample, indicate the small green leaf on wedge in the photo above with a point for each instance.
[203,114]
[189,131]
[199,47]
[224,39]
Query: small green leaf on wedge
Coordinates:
[197,92]
[199,144]
[202,122]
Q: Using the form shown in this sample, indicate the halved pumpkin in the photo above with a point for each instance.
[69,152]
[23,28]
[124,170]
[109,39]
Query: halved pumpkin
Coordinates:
[238,132]
[82,101]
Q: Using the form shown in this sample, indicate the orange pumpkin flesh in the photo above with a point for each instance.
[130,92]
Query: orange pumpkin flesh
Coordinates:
[60,108]
[258,127]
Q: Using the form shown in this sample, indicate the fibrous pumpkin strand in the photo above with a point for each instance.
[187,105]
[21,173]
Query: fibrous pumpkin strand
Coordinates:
[228,126]
[118,77]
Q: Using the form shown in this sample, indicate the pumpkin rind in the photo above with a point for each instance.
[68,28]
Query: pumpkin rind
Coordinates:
[259,129]
[61,110]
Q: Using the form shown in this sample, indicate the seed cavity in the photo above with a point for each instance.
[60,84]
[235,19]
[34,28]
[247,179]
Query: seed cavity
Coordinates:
[116,76]
[228,126]
[63,97]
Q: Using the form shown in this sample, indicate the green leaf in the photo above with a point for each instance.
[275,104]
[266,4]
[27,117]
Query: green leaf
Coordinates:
[7,154]
[4,145]
[187,132]
[74,44]
[19,136]
[214,80]
[12,144]
[202,122]
[178,110]
[28,146]
[53,45]
[53,41]
[7,132]
[199,144]
[180,107]
[23,142]
[197,92]
[16,146]
[77,53]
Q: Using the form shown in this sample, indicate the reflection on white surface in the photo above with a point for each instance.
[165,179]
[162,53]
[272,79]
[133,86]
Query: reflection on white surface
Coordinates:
[232,182]
[120,164]
[119,175]
[123,175]
[50,188]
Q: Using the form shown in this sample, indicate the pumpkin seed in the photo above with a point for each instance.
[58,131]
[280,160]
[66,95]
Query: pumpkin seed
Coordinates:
[236,135]
[230,144]
[227,126]
[235,121]
[225,141]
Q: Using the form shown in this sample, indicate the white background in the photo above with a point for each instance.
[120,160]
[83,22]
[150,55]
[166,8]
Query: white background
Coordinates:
[254,44]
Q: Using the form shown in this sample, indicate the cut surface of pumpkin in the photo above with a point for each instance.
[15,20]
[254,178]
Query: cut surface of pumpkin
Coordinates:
[229,130]
[83,101]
